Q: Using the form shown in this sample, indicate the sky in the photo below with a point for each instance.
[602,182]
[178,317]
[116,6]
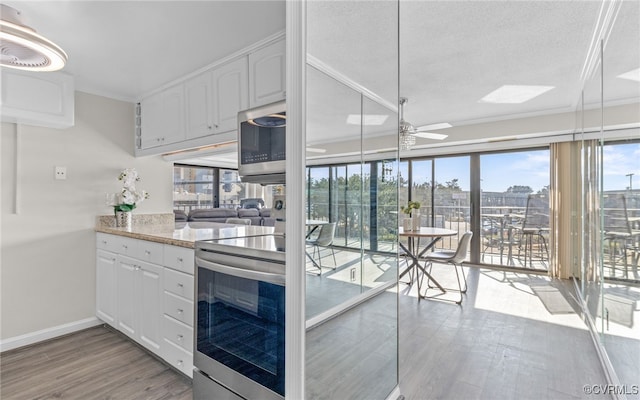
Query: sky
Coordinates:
[499,171]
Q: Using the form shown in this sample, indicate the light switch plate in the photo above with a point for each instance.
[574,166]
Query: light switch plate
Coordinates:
[61,173]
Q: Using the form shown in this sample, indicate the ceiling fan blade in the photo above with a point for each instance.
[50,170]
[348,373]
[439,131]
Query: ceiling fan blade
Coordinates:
[430,135]
[434,127]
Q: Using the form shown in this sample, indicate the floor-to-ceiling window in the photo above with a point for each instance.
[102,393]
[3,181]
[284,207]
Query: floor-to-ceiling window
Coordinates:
[506,184]
[196,187]
[514,207]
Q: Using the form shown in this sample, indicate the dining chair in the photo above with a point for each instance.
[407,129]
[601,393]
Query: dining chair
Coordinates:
[325,239]
[455,258]
[238,221]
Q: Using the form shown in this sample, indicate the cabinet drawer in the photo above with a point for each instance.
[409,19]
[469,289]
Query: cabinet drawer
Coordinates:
[180,258]
[108,242]
[178,308]
[178,333]
[128,247]
[149,251]
[178,283]
[178,357]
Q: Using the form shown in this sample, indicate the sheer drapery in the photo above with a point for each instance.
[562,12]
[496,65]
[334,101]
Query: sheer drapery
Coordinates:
[574,227]
[591,216]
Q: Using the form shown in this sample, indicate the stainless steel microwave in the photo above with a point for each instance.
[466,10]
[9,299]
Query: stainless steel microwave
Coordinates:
[261,144]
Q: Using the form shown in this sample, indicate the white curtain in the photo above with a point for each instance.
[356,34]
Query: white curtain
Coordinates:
[575,209]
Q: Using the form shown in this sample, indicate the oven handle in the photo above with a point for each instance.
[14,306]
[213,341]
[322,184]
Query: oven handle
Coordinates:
[278,279]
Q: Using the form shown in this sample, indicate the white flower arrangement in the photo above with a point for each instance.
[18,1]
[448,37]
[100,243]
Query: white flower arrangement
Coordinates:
[129,197]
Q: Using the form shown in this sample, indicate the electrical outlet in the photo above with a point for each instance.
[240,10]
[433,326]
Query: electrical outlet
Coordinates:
[61,173]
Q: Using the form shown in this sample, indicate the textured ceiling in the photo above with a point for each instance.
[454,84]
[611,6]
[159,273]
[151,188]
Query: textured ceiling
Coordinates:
[124,49]
[451,53]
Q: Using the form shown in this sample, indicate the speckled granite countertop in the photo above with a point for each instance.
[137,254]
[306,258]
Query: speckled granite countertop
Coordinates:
[183,234]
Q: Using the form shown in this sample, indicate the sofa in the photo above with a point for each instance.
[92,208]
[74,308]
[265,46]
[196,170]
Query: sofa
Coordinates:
[257,217]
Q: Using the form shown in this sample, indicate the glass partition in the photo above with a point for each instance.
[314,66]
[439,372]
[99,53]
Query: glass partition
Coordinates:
[620,206]
[609,120]
[352,157]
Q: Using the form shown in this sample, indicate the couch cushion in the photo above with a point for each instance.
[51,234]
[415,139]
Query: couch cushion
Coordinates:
[252,214]
[212,214]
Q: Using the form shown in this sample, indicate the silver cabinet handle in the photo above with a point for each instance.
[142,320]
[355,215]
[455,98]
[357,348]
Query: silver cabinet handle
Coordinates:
[180,259]
[180,311]
[180,363]
[147,252]
[104,242]
[180,285]
[180,338]
[125,246]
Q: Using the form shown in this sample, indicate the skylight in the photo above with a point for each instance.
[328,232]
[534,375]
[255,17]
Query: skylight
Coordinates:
[633,75]
[514,94]
[366,119]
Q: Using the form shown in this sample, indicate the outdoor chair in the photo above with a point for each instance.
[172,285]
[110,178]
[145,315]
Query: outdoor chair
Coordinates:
[324,239]
[619,236]
[535,226]
[455,258]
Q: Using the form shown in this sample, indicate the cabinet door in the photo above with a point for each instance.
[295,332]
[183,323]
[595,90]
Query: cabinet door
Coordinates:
[198,106]
[162,117]
[150,303]
[267,79]
[174,114]
[126,289]
[231,94]
[151,121]
[106,305]
[37,99]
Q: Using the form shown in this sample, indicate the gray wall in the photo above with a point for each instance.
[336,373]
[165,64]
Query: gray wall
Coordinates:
[47,252]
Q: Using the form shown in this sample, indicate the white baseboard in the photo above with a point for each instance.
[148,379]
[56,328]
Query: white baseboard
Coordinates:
[49,333]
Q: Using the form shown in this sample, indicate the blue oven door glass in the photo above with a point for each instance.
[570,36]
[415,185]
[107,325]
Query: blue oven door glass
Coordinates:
[241,325]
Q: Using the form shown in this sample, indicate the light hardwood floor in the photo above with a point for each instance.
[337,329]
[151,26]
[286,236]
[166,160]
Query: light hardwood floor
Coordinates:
[96,363]
[503,342]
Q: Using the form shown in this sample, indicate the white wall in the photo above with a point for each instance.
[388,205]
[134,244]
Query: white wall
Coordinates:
[47,252]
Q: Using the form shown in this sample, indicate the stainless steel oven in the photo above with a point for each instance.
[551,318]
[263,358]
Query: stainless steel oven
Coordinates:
[261,144]
[240,318]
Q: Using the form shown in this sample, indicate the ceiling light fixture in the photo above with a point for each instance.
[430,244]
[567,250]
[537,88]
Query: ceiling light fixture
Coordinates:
[22,48]
[514,94]
[408,132]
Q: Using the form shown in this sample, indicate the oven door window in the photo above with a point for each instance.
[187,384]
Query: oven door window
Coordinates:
[241,325]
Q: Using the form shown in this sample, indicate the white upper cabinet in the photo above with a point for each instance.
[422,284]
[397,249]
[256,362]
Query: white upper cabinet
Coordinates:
[198,98]
[267,74]
[214,98]
[188,114]
[162,117]
[35,98]
[230,88]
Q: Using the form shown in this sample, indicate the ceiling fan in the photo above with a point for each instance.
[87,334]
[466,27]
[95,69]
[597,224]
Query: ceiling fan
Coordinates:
[408,132]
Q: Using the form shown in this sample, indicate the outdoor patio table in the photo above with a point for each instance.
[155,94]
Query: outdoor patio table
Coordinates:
[505,221]
[414,251]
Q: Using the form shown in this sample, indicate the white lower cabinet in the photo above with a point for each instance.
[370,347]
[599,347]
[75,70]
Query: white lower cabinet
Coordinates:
[140,301]
[178,319]
[146,300]
[150,306]
[106,296]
